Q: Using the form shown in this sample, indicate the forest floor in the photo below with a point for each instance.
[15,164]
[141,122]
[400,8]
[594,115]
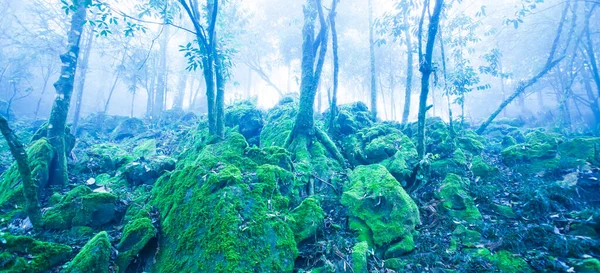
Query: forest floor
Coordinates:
[165,196]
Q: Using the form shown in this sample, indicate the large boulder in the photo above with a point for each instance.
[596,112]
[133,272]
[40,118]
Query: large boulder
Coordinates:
[128,128]
[309,218]
[237,209]
[456,201]
[136,236]
[25,254]
[94,257]
[81,207]
[146,171]
[247,118]
[380,210]
[279,123]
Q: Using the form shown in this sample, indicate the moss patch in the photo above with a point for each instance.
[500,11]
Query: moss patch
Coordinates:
[94,257]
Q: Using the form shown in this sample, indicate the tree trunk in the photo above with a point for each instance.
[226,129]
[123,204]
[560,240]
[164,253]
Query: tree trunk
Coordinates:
[180,95]
[81,80]
[333,109]
[64,90]
[591,97]
[161,83]
[220,100]
[409,72]
[46,79]
[426,70]
[373,68]
[150,91]
[30,189]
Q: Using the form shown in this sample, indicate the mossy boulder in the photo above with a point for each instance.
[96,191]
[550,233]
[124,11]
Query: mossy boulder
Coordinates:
[25,254]
[146,149]
[247,118]
[42,132]
[579,151]
[94,257]
[455,163]
[239,224]
[504,260]
[128,128]
[377,201]
[481,168]
[504,211]
[146,171]
[309,218]
[136,236]
[456,201]
[81,207]
[40,155]
[278,123]
[590,265]
[352,118]
[359,257]
[471,142]
[537,154]
[463,237]
[105,158]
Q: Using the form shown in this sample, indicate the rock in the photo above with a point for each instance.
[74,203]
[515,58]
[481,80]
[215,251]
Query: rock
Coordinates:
[94,257]
[236,207]
[504,261]
[359,257]
[456,163]
[504,211]
[590,265]
[147,171]
[462,236]
[309,218]
[25,254]
[352,118]
[146,149]
[380,208]
[471,142]
[247,118]
[81,207]
[278,123]
[40,155]
[482,169]
[105,158]
[128,128]
[456,201]
[135,237]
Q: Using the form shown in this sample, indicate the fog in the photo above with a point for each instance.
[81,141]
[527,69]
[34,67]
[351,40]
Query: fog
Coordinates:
[263,40]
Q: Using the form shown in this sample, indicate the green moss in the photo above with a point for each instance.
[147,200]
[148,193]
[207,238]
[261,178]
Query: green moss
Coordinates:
[462,236]
[504,211]
[589,265]
[94,257]
[278,123]
[403,247]
[238,225]
[397,264]
[42,256]
[273,155]
[456,163]
[482,169]
[456,201]
[135,237]
[40,155]
[579,151]
[105,157]
[509,263]
[471,142]
[375,197]
[146,149]
[309,218]
[81,207]
[359,257]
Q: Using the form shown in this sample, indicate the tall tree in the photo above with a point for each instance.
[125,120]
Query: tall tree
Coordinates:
[336,68]
[32,205]
[372,59]
[426,68]
[64,90]
[314,49]
[83,68]
[161,82]
[409,67]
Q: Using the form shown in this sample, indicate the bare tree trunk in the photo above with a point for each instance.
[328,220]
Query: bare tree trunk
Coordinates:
[589,48]
[333,109]
[426,69]
[594,107]
[373,68]
[161,83]
[179,97]
[409,71]
[46,79]
[151,90]
[114,85]
[64,90]
[81,80]
[30,189]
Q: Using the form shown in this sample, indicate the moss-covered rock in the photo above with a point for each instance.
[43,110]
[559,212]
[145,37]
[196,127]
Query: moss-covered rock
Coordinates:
[378,202]
[352,118]
[239,225]
[579,151]
[40,155]
[146,171]
[590,265]
[81,207]
[463,237]
[94,257]
[128,128]
[504,260]
[504,211]
[309,218]
[25,254]
[359,257]
[104,158]
[135,237]
[146,149]
[456,201]
[471,142]
[278,123]
[247,118]
[481,168]
[456,163]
